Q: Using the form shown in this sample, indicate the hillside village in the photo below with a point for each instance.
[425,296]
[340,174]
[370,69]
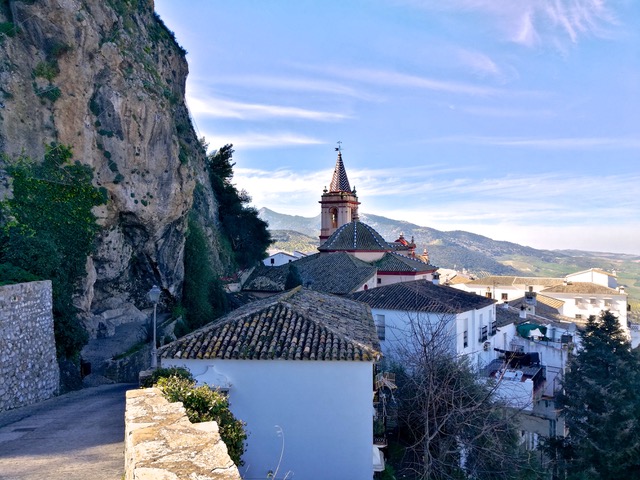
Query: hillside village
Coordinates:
[517,333]
[128,254]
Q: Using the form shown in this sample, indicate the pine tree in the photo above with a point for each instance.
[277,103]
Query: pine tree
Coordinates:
[601,405]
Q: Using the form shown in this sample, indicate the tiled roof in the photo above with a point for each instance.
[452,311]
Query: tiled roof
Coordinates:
[267,279]
[355,236]
[394,262]
[337,272]
[421,296]
[513,280]
[297,325]
[549,301]
[339,182]
[238,299]
[582,287]
[594,270]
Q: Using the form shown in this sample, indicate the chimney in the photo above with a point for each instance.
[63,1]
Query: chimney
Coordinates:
[523,312]
[621,289]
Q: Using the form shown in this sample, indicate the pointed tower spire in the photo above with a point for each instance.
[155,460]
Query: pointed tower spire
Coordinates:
[338,205]
[339,182]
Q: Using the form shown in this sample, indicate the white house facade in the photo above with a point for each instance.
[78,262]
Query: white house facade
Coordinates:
[403,311]
[298,368]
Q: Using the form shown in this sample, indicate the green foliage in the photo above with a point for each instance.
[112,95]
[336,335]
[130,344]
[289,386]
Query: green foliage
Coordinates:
[50,92]
[293,278]
[601,405]
[248,235]
[168,372]
[203,296]
[48,230]
[204,405]
[8,29]
[47,70]
[10,274]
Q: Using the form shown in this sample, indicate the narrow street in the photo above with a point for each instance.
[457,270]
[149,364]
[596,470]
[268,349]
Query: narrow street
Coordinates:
[77,436]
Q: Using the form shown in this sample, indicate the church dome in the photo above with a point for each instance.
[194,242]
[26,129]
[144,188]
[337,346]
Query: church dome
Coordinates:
[355,236]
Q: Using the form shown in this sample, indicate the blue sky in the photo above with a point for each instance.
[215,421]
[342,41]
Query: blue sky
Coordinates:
[519,120]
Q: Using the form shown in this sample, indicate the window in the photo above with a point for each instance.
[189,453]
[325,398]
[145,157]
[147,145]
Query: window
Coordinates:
[379,281]
[593,301]
[380,326]
[273,260]
[334,217]
[607,302]
[483,334]
[505,296]
[494,328]
[578,316]
[465,339]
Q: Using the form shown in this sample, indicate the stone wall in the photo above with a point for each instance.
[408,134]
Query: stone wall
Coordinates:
[161,442]
[28,368]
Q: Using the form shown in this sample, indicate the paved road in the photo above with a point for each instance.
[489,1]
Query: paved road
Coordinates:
[77,436]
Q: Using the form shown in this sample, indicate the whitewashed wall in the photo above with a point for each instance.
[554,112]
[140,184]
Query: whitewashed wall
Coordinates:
[324,410]
[280,258]
[593,277]
[399,332]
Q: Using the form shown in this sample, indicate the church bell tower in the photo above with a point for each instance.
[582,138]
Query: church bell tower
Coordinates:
[339,204]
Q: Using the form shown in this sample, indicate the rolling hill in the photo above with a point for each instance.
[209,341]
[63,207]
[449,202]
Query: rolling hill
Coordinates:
[458,249]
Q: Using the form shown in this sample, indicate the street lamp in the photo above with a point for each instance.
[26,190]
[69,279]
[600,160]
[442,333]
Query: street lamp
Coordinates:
[154,296]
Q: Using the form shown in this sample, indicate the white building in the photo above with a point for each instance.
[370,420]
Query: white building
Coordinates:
[298,368]
[279,258]
[403,310]
[576,296]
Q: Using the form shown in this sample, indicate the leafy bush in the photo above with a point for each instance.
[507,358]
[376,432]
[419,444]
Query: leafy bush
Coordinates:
[10,274]
[167,372]
[203,296]
[48,229]
[47,70]
[248,235]
[203,404]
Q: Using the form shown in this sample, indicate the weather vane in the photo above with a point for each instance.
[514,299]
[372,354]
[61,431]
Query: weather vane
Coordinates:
[339,147]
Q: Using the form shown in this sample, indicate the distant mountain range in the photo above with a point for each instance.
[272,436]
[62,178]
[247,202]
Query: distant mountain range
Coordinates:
[462,250]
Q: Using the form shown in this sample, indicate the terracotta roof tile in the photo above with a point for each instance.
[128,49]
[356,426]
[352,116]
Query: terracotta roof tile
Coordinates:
[514,280]
[297,325]
[421,296]
[356,236]
[582,287]
[394,262]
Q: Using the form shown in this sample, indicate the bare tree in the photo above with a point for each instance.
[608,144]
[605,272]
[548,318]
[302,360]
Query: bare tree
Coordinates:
[451,420]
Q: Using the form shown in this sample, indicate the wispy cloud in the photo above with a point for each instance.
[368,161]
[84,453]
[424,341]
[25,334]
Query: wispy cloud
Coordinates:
[480,63]
[287,83]
[534,22]
[222,108]
[576,143]
[391,78]
[251,140]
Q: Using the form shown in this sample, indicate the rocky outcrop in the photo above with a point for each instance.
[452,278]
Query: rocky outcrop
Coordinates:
[107,78]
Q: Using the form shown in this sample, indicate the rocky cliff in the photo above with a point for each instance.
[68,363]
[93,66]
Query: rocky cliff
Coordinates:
[107,78]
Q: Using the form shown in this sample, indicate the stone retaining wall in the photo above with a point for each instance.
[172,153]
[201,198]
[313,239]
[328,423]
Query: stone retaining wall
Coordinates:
[161,442]
[29,370]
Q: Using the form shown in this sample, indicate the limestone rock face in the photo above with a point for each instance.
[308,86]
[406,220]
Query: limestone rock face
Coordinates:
[108,78]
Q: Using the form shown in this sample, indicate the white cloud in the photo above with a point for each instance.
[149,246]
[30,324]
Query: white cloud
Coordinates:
[546,210]
[479,63]
[250,140]
[288,83]
[543,143]
[397,79]
[218,107]
[533,22]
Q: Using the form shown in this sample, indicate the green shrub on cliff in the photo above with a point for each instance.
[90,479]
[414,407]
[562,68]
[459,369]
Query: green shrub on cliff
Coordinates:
[247,234]
[203,296]
[48,229]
